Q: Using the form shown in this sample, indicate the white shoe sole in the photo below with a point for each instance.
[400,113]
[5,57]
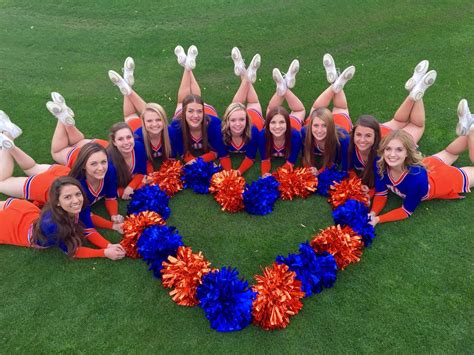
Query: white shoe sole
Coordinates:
[180,55]
[118,81]
[191,57]
[253,67]
[7,144]
[428,80]
[280,82]
[342,80]
[290,77]
[418,73]
[330,67]
[128,69]
[465,120]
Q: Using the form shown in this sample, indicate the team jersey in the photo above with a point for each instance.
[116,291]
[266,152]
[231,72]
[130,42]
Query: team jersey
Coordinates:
[278,152]
[107,187]
[358,164]
[156,151]
[139,159]
[249,148]
[214,137]
[341,151]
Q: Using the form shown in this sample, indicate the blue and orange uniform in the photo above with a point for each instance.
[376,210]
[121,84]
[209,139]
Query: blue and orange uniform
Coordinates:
[214,136]
[138,167]
[437,181]
[74,152]
[17,221]
[256,118]
[248,148]
[36,187]
[341,159]
[278,152]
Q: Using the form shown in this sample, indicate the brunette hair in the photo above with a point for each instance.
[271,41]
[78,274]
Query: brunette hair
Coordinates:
[278,110]
[165,139]
[78,170]
[123,173]
[226,134]
[368,174]
[331,142]
[184,124]
[69,232]
[414,157]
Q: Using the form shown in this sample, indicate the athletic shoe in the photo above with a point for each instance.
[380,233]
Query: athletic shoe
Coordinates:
[5,142]
[280,82]
[418,73]
[120,82]
[290,76]
[342,79]
[426,81]
[59,99]
[60,113]
[330,66]
[465,118]
[6,125]
[180,55]
[128,68]
[191,58]
[239,65]
[253,67]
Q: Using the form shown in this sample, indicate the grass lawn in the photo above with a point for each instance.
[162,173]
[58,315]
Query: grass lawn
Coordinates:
[412,291]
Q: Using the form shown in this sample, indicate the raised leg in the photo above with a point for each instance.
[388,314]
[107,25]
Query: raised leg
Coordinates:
[339,103]
[295,105]
[324,99]
[253,101]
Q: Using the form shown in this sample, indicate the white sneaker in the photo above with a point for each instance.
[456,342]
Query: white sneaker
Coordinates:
[60,113]
[5,142]
[330,66]
[280,82]
[128,68]
[426,81]
[191,58]
[120,82]
[342,79]
[465,118]
[180,55]
[59,99]
[418,73]
[253,67]
[6,125]
[239,65]
[290,76]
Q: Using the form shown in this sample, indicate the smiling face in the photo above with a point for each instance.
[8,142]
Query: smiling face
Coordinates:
[319,129]
[395,154]
[124,141]
[194,115]
[96,166]
[237,122]
[153,122]
[70,199]
[364,138]
[277,126]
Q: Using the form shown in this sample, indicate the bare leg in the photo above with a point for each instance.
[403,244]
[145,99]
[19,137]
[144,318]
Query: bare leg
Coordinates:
[451,153]
[242,92]
[6,164]
[470,144]
[27,163]
[64,139]
[402,115]
[10,186]
[275,101]
[324,99]
[416,125]
[296,106]
[252,99]
[339,103]
[2,205]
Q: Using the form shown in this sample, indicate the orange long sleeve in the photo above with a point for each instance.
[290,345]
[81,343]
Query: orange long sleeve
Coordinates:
[98,240]
[266,166]
[111,205]
[226,163]
[85,252]
[245,165]
[101,222]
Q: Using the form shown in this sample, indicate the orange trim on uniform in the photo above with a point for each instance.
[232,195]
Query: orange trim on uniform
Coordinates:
[36,187]
[256,118]
[134,123]
[16,222]
[72,156]
[342,120]
[446,181]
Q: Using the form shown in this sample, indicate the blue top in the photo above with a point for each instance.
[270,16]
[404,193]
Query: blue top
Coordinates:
[295,147]
[157,152]
[249,148]
[107,187]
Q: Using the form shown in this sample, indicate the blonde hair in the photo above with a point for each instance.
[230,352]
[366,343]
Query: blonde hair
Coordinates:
[226,133]
[165,139]
[414,157]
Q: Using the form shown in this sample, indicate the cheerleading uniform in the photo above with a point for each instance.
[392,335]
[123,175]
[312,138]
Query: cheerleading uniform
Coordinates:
[36,187]
[416,184]
[214,136]
[17,220]
[248,148]
[138,167]
[256,118]
[74,152]
[156,151]
[341,151]
[278,152]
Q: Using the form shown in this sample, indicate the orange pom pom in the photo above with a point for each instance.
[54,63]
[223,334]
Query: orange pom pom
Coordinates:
[184,273]
[348,189]
[278,297]
[168,178]
[133,227]
[295,182]
[228,187]
[344,244]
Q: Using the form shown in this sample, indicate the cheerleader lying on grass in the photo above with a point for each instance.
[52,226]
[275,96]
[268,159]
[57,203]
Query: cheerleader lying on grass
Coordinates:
[402,169]
[64,222]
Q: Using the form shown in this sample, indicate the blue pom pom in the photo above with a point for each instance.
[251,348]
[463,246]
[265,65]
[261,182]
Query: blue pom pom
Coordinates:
[261,195]
[149,198]
[313,270]
[226,300]
[197,176]
[355,215]
[329,177]
[156,244]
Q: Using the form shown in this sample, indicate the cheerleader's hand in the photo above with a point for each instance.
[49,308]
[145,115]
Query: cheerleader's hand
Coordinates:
[118,227]
[314,170]
[127,193]
[373,219]
[114,252]
[117,218]
[266,175]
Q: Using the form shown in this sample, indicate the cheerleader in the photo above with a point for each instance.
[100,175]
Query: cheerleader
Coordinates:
[402,170]
[67,138]
[148,121]
[243,118]
[198,130]
[64,222]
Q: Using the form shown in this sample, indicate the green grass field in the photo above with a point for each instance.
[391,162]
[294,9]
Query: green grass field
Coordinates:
[412,291]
